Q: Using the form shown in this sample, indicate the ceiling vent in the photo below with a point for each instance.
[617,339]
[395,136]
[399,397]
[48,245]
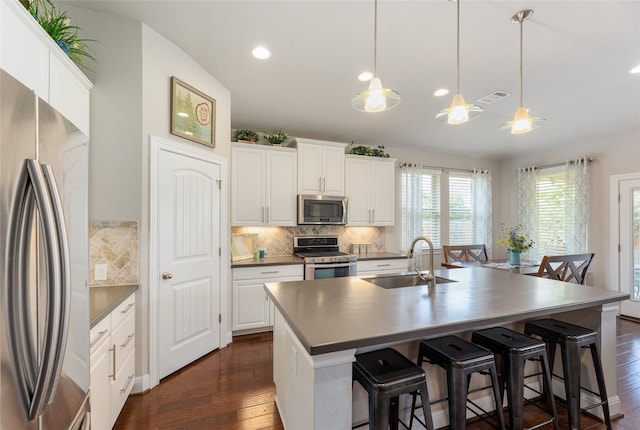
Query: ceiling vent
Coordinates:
[494,97]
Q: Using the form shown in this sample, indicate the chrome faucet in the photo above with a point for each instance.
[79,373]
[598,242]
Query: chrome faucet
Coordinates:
[430,278]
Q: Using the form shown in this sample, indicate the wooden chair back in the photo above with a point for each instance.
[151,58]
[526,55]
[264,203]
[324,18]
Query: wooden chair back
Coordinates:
[466,253]
[567,268]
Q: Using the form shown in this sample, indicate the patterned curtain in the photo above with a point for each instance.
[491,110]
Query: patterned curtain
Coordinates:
[528,206]
[481,204]
[411,177]
[577,205]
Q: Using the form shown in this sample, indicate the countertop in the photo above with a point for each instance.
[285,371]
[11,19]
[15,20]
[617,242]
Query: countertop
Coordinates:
[331,315]
[103,300]
[280,260]
[380,256]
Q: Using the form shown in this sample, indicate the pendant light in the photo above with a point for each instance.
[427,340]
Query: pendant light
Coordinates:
[458,112]
[522,122]
[375,98]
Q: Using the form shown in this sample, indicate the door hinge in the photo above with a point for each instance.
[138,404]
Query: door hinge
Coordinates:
[619,248]
[219,252]
[220,318]
[219,181]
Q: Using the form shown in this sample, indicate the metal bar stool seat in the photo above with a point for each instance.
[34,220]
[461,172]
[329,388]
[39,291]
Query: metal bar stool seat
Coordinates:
[461,359]
[386,374]
[512,351]
[572,338]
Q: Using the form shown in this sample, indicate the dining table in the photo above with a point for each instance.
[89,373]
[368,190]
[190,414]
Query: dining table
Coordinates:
[524,268]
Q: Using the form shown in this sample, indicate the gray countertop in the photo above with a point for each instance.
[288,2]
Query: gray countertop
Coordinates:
[102,300]
[330,315]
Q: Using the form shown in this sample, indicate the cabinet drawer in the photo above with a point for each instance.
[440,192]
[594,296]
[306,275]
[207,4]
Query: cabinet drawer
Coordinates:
[121,386]
[100,333]
[383,266]
[122,311]
[123,339]
[268,272]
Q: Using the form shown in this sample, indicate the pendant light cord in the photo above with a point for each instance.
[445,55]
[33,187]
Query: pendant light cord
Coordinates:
[458,46]
[521,73]
[375,37]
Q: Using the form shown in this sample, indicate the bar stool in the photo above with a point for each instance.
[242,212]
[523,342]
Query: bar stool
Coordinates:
[515,349]
[461,359]
[386,374]
[572,339]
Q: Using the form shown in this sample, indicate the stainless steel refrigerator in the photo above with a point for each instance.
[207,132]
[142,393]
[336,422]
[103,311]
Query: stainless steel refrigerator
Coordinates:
[44,301]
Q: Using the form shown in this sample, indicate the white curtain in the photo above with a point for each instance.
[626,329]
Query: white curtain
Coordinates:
[481,204]
[528,206]
[411,177]
[577,205]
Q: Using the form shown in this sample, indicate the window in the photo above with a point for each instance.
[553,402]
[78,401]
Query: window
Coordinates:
[554,208]
[448,207]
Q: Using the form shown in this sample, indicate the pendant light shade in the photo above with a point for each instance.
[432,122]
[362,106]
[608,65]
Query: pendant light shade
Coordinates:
[522,122]
[458,112]
[376,98]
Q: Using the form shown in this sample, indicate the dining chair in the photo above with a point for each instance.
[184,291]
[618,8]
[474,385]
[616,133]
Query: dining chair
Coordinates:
[567,268]
[466,253]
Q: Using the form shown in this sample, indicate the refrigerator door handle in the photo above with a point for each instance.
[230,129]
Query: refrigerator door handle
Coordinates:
[35,372]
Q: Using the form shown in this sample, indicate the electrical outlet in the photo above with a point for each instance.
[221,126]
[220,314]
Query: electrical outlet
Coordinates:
[100,272]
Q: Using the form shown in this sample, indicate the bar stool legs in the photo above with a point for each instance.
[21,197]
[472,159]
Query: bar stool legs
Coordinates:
[572,339]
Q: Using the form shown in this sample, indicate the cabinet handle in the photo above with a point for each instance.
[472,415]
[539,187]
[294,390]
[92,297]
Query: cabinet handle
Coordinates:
[126,386]
[100,336]
[133,304]
[124,345]
[383,265]
[270,273]
[268,217]
[373,215]
[113,363]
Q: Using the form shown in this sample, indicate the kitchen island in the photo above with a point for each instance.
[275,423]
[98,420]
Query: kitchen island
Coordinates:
[320,325]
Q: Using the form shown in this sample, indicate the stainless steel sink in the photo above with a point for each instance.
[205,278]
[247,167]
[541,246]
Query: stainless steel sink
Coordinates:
[400,281]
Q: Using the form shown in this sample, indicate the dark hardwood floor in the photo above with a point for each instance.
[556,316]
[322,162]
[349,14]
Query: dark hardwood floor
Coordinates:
[232,389]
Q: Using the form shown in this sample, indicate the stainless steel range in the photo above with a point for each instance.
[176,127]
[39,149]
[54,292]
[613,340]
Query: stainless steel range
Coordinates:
[322,257]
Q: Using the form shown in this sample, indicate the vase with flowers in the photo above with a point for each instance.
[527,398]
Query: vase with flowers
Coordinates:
[516,242]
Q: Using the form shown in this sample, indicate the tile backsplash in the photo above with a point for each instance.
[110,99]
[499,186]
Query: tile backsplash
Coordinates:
[279,240]
[114,243]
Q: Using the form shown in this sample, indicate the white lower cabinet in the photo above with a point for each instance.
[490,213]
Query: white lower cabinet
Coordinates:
[252,309]
[382,266]
[112,364]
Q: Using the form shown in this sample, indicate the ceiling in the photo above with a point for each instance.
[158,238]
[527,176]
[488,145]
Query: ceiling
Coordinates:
[577,58]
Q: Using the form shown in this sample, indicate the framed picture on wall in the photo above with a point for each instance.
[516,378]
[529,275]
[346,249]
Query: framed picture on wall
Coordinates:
[193,113]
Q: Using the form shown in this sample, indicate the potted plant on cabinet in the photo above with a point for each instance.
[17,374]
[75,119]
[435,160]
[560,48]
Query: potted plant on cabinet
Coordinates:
[275,137]
[248,136]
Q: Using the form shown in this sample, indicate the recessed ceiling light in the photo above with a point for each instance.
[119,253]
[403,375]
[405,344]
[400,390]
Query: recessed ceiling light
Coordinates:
[441,92]
[365,76]
[635,69]
[261,53]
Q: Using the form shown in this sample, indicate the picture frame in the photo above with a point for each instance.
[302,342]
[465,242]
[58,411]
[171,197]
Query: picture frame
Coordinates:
[193,114]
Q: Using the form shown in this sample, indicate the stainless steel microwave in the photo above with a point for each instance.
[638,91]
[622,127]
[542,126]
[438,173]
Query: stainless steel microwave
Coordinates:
[322,210]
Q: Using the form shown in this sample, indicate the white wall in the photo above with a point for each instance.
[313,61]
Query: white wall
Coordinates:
[613,155]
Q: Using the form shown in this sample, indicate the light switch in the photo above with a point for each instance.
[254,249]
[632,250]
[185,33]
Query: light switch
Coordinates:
[100,272]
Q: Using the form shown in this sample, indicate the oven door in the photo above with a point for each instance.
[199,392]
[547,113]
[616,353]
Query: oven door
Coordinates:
[329,270]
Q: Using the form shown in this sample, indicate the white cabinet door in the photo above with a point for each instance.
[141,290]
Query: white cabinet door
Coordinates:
[371,191]
[247,186]
[101,369]
[382,192]
[250,305]
[320,167]
[382,266]
[68,95]
[359,207]
[281,188]
[333,171]
[23,54]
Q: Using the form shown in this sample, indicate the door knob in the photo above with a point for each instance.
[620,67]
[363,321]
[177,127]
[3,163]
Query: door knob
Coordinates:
[167,275]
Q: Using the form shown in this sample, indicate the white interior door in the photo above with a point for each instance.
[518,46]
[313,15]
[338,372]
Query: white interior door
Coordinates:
[630,246]
[188,211]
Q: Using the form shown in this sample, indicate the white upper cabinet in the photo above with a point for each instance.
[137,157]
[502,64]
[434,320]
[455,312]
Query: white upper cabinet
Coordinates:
[370,190]
[263,185]
[32,57]
[321,167]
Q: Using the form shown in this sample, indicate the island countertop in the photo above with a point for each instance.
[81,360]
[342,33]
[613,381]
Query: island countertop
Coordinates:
[330,315]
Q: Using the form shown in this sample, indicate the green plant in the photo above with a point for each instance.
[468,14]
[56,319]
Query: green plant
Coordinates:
[248,135]
[514,240]
[275,137]
[368,151]
[58,25]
